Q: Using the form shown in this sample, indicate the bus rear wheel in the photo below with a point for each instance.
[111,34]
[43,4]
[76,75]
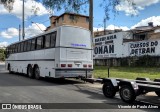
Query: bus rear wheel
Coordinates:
[30,71]
[37,72]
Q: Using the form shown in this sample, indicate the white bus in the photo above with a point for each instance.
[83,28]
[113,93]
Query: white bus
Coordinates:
[64,52]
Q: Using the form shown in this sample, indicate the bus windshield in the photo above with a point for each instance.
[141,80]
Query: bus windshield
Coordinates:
[75,37]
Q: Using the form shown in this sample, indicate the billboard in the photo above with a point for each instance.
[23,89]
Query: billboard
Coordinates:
[112,46]
[109,46]
[140,48]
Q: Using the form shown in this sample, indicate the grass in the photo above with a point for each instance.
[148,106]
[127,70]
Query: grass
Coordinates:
[127,72]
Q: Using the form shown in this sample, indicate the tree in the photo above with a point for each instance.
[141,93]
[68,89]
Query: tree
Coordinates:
[8,4]
[75,6]
[2,55]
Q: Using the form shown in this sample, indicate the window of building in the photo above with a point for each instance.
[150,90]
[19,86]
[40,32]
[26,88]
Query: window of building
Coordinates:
[87,19]
[57,20]
[54,24]
[62,18]
[53,39]
[72,17]
[33,41]
[47,40]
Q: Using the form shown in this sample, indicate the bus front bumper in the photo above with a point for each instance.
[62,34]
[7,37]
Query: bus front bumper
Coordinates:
[73,73]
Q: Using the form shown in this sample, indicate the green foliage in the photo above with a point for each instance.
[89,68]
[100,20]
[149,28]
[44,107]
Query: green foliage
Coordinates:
[67,5]
[2,54]
[75,5]
[8,4]
[127,72]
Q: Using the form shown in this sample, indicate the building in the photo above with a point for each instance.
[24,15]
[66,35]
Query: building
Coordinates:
[136,47]
[69,19]
[106,32]
[146,32]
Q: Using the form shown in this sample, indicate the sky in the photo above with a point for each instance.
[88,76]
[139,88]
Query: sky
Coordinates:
[36,14]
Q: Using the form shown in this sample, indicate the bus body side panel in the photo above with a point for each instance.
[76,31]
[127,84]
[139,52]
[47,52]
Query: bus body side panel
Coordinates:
[49,64]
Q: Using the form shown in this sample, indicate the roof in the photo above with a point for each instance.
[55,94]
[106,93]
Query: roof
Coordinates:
[67,13]
[54,29]
[136,31]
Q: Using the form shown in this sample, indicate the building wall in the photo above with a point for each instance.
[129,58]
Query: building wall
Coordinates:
[154,35]
[80,21]
[106,32]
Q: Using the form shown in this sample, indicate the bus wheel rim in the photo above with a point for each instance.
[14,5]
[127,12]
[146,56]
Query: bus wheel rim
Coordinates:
[126,94]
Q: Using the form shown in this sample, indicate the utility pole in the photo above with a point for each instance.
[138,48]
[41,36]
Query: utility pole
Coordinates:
[91,16]
[19,32]
[104,26]
[23,33]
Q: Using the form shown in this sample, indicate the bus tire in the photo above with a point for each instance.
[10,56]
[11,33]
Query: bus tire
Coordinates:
[30,71]
[157,93]
[127,94]
[108,90]
[37,72]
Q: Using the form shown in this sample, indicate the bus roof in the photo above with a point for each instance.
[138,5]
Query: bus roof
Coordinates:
[50,31]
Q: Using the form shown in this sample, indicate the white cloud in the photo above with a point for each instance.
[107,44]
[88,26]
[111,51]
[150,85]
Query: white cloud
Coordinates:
[30,31]
[111,27]
[144,22]
[34,29]
[9,33]
[4,44]
[30,7]
[139,5]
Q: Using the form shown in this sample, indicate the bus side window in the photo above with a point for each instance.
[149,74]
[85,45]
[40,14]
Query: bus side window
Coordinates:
[10,49]
[24,48]
[6,53]
[29,43]
[33,44]
[47,40]
[43,42]
[19,47]
[39,43]
[53,39]
[15,48]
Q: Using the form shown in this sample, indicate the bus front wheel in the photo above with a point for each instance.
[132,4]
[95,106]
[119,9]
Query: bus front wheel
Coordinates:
[37,72]
[30,71]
